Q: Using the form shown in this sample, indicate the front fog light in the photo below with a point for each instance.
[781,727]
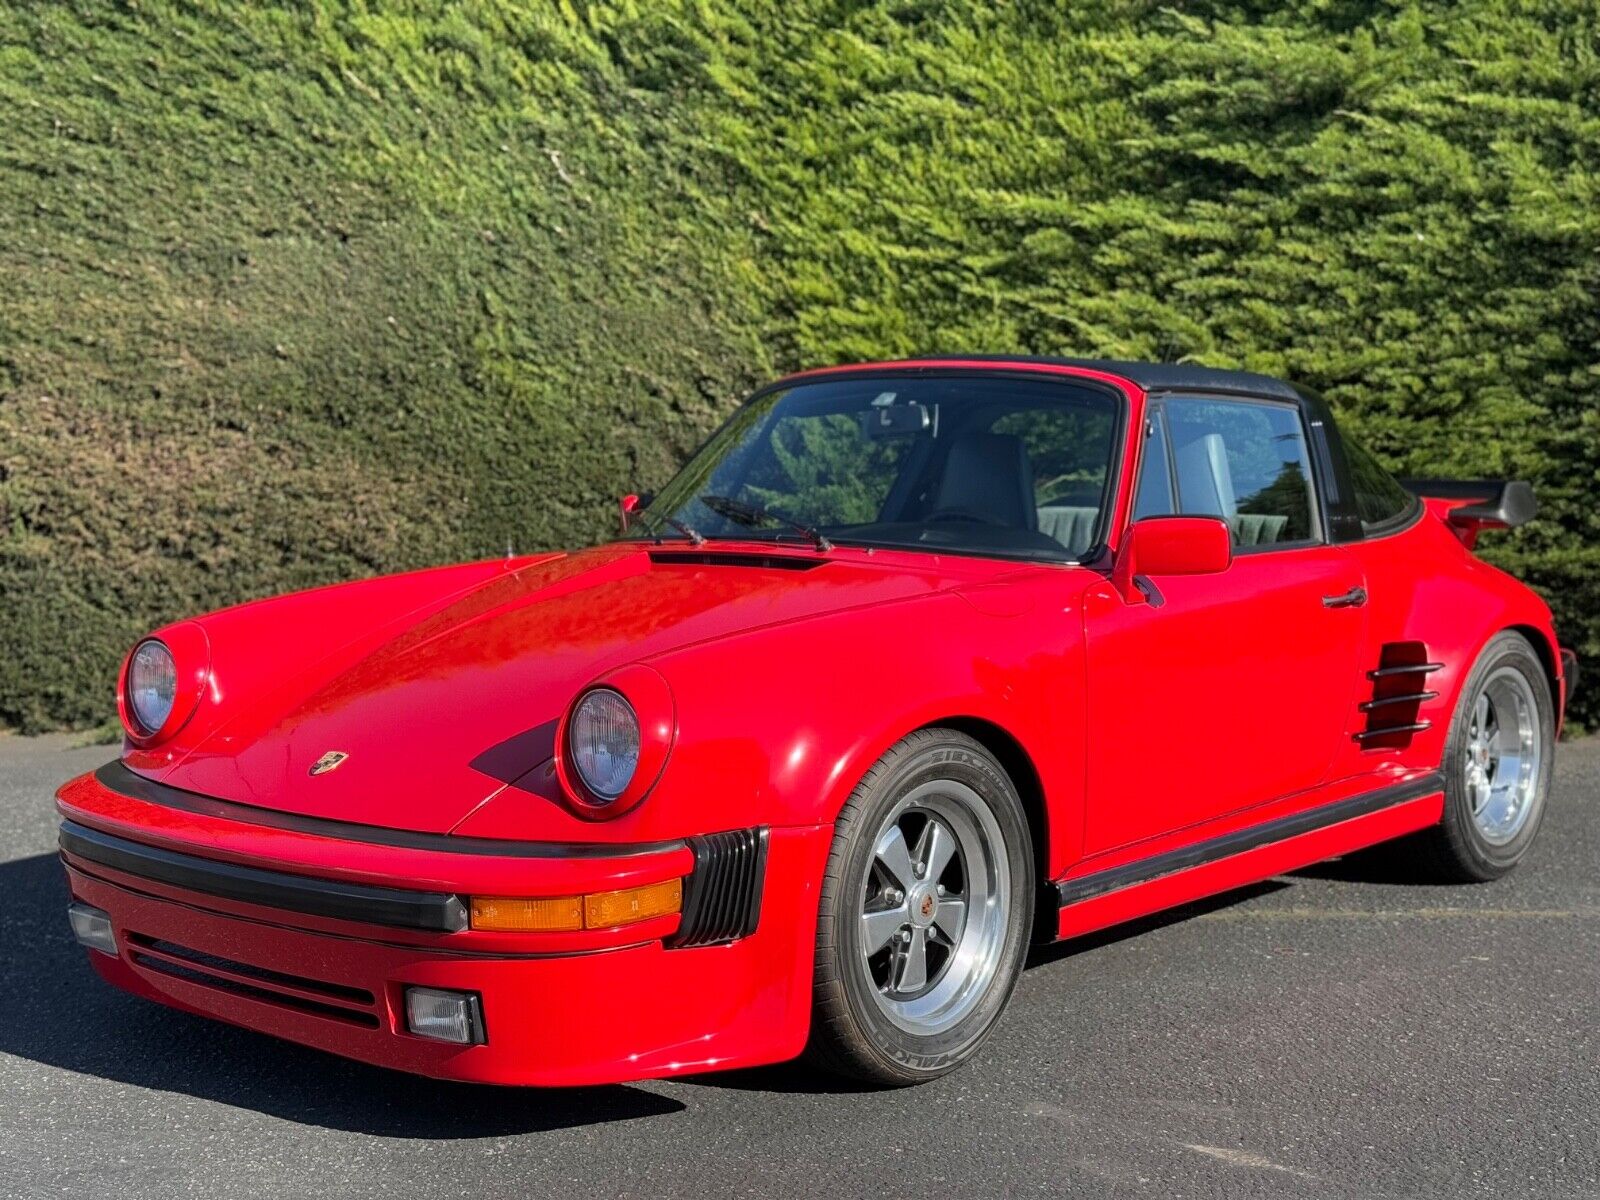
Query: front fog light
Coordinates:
[92,927]
[445,1016]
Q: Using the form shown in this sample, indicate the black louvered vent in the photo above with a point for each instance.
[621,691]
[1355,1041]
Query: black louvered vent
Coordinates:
[1399,691]
[723,900]
[734,558]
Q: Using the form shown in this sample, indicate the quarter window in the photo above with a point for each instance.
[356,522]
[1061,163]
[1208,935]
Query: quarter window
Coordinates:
[1380,502]
[1246,463]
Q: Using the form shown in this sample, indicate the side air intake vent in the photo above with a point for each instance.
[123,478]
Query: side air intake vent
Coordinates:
[1399,690]
[723,900]
[733,558]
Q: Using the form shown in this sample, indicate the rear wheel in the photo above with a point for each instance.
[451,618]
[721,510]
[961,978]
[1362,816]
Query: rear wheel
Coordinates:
[1497,765]
[925,912]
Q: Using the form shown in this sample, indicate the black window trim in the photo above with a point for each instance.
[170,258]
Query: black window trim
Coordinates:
[1318,469]
[1389,526]
[1394,525]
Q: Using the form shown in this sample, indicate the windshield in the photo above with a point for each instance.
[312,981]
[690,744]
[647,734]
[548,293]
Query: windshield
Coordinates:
[977,463]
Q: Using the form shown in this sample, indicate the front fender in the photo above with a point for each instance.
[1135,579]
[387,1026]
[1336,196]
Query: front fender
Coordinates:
[777,727]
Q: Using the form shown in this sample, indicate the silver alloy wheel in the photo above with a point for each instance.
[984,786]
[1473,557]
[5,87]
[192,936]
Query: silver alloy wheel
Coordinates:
[934,907]
[1503,752]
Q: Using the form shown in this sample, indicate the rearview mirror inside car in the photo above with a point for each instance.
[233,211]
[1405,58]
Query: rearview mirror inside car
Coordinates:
[889,419]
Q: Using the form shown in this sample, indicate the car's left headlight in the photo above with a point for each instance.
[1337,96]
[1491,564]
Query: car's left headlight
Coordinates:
[604,736]
[163,681]
[614,741]
[152,685]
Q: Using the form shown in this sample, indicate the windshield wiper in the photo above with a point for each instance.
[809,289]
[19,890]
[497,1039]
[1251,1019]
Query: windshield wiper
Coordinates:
[754,514]
[688,531]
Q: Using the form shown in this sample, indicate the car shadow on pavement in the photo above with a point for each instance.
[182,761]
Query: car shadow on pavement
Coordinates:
[801,1077]
[59,1013]
[1391,863]
[1088,943]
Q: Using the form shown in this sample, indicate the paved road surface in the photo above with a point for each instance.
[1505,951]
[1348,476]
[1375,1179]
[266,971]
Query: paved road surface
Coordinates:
[1330,1033]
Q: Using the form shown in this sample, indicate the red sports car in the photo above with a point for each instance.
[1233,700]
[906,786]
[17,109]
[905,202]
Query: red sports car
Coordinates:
[913,664]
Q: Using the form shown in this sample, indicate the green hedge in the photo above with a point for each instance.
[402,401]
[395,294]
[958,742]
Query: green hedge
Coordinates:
[293,294]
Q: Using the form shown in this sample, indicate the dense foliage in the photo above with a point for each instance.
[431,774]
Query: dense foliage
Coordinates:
[294,293]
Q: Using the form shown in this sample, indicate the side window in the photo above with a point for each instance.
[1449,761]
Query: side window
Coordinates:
[1154,497]
[1246,462]
[1380,501]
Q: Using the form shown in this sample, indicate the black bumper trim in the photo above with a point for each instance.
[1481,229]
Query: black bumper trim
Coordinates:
[136,787]
[437,912]
[1087,887]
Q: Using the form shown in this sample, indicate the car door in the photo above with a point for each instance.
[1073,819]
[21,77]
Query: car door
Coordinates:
[1231,689]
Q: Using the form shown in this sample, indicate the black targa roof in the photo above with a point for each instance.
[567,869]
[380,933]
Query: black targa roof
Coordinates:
[1152,377]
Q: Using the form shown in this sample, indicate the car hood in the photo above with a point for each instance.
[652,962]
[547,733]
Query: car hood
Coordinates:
[440,715]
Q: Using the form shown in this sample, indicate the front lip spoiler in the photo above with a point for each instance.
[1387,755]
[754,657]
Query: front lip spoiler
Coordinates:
[434,912]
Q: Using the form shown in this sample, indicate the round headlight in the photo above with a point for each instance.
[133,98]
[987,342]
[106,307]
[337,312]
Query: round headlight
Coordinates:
[604,737]
[152,685]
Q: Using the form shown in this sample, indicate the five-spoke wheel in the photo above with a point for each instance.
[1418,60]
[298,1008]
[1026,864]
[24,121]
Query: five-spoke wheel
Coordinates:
[934,905]
[1497,764]
[925,911]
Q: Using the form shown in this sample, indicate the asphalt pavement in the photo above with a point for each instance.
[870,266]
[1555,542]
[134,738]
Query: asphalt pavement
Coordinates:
[1334,1032]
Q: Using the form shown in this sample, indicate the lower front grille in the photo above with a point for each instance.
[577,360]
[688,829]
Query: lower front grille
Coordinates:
[317,997]
[722,901]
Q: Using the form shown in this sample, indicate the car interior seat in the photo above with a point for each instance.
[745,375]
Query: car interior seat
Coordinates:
[989,476]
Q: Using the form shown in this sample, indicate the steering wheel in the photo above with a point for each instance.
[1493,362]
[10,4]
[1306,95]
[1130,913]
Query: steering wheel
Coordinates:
[964,515]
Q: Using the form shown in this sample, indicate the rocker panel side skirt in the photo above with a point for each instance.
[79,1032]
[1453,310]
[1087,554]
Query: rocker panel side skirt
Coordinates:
[1094,901]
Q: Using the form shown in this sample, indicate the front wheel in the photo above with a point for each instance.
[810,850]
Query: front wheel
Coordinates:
[925,912]
[1498,760]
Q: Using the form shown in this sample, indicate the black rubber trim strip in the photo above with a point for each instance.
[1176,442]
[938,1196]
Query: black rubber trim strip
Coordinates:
[1390,730]
[1086,887]
[1406,669]
[125,783]
[1389,701]
[437,912]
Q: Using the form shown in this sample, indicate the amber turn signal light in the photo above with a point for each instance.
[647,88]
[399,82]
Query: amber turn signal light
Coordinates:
[601,910]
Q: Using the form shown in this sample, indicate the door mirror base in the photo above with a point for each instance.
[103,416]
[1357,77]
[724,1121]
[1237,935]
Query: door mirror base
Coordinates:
[631,504]
[1169,546]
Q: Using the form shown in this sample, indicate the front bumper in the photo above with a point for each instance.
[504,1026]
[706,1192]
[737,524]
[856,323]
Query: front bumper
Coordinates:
[558,1008]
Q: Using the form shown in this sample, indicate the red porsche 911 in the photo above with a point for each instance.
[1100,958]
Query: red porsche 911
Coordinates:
[913,664]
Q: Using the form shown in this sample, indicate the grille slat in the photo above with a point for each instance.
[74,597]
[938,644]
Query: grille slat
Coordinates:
[724,892]
[297,992]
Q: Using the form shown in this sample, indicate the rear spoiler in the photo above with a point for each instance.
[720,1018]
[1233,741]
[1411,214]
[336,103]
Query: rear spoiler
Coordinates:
[1478,504]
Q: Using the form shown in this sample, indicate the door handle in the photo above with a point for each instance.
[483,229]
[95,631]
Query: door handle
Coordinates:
[1354,598]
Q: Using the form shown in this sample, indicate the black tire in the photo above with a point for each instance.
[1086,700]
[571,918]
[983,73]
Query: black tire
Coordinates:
[851,1033]
[1456,850]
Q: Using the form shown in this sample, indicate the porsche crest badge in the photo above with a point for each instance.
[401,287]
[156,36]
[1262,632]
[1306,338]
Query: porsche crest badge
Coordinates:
[328,762]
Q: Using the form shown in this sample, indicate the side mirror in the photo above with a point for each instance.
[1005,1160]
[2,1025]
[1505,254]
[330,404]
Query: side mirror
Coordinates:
[631,504]
[1169,546]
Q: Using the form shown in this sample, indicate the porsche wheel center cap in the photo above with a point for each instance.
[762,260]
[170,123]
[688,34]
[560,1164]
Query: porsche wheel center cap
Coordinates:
[924,904]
